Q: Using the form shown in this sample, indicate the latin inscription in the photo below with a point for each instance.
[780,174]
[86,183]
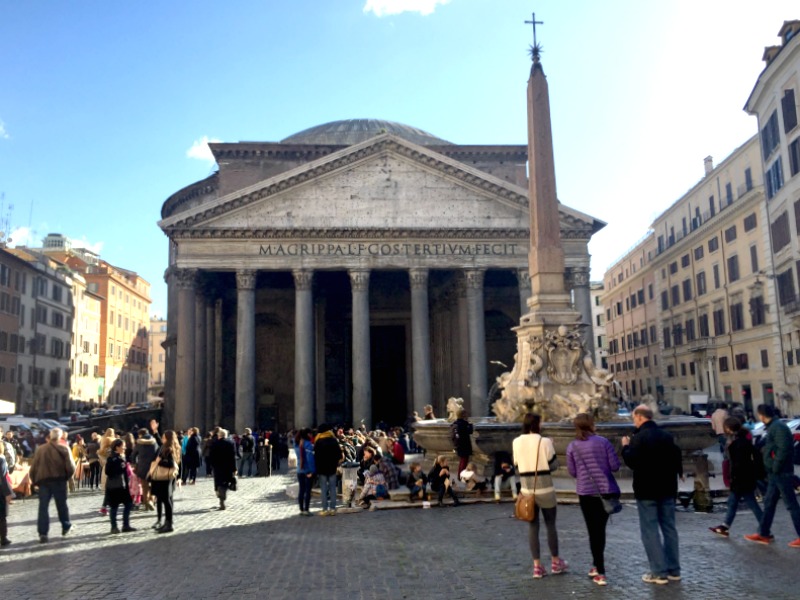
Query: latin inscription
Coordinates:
[388,249]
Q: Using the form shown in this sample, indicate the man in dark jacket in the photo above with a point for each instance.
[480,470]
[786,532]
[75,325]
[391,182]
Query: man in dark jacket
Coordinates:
[327,456]
[223,462]
[52,467]
[656,463]
[461,432]
[248,448]
[777,452]
[143,455]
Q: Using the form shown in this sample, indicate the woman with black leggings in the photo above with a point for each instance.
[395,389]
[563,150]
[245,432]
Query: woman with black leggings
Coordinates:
[169,458]
[591,459]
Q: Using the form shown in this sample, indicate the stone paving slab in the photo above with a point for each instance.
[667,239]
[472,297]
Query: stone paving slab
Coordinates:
[260,548]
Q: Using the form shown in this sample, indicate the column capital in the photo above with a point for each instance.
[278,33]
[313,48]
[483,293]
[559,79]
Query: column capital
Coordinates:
[185,278]
[524,278]
[578,276]
[246,279]
[418,279]
[303,278]
[359,279]
[474,278]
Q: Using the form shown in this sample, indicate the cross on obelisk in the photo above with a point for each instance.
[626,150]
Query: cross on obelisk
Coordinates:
[534,22]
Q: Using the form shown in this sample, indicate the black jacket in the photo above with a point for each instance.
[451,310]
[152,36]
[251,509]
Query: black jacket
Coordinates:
[747,467]
[656,463]
[193,452]
[223,461]
[143,455]
[461,431]
[327,454]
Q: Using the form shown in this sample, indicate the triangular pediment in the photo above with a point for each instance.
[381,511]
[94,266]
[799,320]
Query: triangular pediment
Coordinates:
[382,183]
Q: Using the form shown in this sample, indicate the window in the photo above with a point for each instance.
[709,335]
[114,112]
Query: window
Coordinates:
[774,178]
[770,137]
[757,311]
[750,222]
[643,336]
[653,337]
[667,337]
[57,293]
[723,364]
[794,157]
[701,283]
[764,359]
[677,335]
[650,289]
[733,269]
[715,271]
[789,110]
[730,234]
[675,295]
[683,369]
[753,259]
[687,290]
[673,267]
[670,371]
[685,260]
[741,361]
[780,232]
[719,321]
[748,179]
[640,296]
[786,293]
[702,326]
[698,253]
[713,244]
[737,317]
[690,333]
[664,300]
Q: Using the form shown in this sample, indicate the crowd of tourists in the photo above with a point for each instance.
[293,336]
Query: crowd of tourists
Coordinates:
[141,470]
[136,470]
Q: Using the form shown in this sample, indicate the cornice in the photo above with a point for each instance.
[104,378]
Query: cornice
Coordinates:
[583,233]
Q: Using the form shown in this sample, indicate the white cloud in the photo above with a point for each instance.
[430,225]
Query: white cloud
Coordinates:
[95,247]
[3,133]
[382,8]
[22,236]
[200,149]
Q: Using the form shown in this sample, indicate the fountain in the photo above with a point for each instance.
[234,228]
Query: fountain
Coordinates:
[553,375]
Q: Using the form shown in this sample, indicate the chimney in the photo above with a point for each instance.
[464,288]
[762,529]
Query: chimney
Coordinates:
[708,163]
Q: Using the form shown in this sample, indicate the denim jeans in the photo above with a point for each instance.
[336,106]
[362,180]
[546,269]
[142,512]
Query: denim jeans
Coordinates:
[657,519]
[58,491]
[248,461]
[304,494]
[733,503]
[327,488]
[126,514]
[778,486]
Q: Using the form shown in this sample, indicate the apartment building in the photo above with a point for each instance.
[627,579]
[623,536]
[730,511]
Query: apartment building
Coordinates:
[631,323]
[599,324]
[124,321]
[87,381]
[45,334]
[774,101]
[14,278]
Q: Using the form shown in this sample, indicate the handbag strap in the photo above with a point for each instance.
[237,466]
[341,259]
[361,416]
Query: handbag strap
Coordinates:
[536,473]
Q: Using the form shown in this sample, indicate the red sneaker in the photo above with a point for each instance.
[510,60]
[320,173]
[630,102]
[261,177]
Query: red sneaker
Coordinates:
[795,543]
[759,539]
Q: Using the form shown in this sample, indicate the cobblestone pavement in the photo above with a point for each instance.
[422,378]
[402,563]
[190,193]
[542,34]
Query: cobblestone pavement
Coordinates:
[260,548]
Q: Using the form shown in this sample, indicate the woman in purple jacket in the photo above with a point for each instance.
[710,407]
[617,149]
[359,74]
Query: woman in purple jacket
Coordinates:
[591,459]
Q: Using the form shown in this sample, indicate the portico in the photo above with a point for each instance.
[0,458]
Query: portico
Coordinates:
[361,285]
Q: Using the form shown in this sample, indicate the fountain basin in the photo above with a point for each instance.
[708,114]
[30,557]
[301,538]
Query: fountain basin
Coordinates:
[490,436]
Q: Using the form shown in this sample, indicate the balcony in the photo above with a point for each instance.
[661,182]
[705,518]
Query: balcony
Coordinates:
[701,344]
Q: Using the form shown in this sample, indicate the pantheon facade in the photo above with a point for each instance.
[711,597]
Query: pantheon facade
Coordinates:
[355,271]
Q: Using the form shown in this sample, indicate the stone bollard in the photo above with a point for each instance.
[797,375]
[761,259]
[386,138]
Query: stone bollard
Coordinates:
[702,486]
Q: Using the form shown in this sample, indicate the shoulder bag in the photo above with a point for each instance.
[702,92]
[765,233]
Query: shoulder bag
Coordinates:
[525,506]
[611,503]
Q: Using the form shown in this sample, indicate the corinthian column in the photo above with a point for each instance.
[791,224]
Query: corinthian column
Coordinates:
[362,382]
[420,338]
[199,409]
[245,411]
[304,380]
[210,368]
[184,377]
[477,342]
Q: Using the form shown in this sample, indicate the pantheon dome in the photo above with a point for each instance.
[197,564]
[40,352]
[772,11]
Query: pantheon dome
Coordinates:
[353,131]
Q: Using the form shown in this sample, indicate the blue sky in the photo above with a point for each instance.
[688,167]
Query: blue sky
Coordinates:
[104,106]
